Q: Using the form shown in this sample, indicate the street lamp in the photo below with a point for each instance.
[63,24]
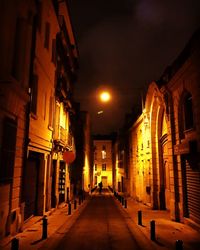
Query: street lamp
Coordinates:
[105,96]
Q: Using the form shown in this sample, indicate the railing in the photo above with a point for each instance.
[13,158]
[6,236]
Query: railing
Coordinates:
[64,137]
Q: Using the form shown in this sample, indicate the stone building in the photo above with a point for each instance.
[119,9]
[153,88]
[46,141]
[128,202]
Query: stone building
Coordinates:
[81,168]
[103,160]
[165,140]
[37,73]
[16,27]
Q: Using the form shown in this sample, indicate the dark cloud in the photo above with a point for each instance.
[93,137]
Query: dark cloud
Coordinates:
[125,45]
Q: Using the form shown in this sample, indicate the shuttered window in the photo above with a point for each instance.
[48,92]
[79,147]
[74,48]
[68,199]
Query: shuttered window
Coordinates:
[8,150]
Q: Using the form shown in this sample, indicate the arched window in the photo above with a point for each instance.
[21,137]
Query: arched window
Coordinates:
[188,112]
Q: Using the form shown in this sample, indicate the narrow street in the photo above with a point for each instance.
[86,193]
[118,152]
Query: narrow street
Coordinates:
[100,226]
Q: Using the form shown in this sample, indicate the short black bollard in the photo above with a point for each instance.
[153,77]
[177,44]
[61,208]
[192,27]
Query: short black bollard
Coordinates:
[140,217]
[122,201]
[44,227]
[79,200]
[153,230]
[125,203]
[74,204]
[69,208]
[179,245]
[15,244]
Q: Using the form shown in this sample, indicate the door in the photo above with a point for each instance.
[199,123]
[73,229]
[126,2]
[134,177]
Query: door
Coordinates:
[31,186]
[104,180]
[53,184]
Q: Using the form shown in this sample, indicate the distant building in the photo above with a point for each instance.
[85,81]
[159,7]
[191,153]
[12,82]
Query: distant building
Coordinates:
[103,160]
[81,168]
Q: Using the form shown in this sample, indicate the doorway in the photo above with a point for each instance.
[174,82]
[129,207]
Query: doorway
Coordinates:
[31,184]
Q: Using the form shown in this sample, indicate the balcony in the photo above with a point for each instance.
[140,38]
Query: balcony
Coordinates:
[66,42]
[63,138]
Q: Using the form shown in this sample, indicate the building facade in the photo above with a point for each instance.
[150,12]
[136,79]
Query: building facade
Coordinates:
[82,166]
[37,74]
[103,160]
[16,26]
[165,141]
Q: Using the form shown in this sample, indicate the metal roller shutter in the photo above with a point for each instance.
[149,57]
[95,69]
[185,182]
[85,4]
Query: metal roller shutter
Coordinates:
[193,192]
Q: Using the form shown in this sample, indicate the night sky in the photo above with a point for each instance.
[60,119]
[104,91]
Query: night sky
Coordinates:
[123,46]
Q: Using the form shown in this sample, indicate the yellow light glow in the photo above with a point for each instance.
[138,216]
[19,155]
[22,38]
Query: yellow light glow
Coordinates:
[105,96]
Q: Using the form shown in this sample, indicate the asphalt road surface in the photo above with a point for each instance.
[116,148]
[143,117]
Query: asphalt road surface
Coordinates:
[100,226]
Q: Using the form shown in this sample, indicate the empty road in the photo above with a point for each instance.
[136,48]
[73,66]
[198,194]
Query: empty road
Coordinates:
[100,226]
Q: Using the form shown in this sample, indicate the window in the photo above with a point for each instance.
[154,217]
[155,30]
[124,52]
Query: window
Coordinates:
[103,152]
[8,150]
[47,35]
[39,15]
[19,49]
[51,105]
[188,112]
[54,54]
[103,167]
[34,92]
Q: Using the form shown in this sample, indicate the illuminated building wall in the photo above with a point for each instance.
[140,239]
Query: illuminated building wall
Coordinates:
[81,168]
[87,168]
[37,188]
[16,25]
[120,163]
[103,162]
[165,140]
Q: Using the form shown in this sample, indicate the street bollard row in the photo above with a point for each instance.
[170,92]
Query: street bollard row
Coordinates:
[121,199]
[178,244]
[15,241]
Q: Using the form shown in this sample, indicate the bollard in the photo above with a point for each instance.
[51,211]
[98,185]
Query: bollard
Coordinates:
[122,201]
[44,227]
[15,244]
[79,200]
[179,245]
[140,217]
[153,230]
[125,203]
[74,204]
[69,208]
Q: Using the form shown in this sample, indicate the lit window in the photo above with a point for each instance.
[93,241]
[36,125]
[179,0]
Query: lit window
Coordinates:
[103,153]
[103,167]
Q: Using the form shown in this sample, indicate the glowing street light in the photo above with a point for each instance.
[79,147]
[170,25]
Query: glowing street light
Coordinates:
[105,96]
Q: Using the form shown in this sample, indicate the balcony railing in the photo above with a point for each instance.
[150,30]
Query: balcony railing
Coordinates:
[64,138]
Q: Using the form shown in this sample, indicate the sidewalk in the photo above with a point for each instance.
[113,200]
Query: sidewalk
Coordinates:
[167,231]
[58,222]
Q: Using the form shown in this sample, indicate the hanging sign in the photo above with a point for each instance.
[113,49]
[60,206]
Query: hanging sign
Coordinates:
[69,156]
